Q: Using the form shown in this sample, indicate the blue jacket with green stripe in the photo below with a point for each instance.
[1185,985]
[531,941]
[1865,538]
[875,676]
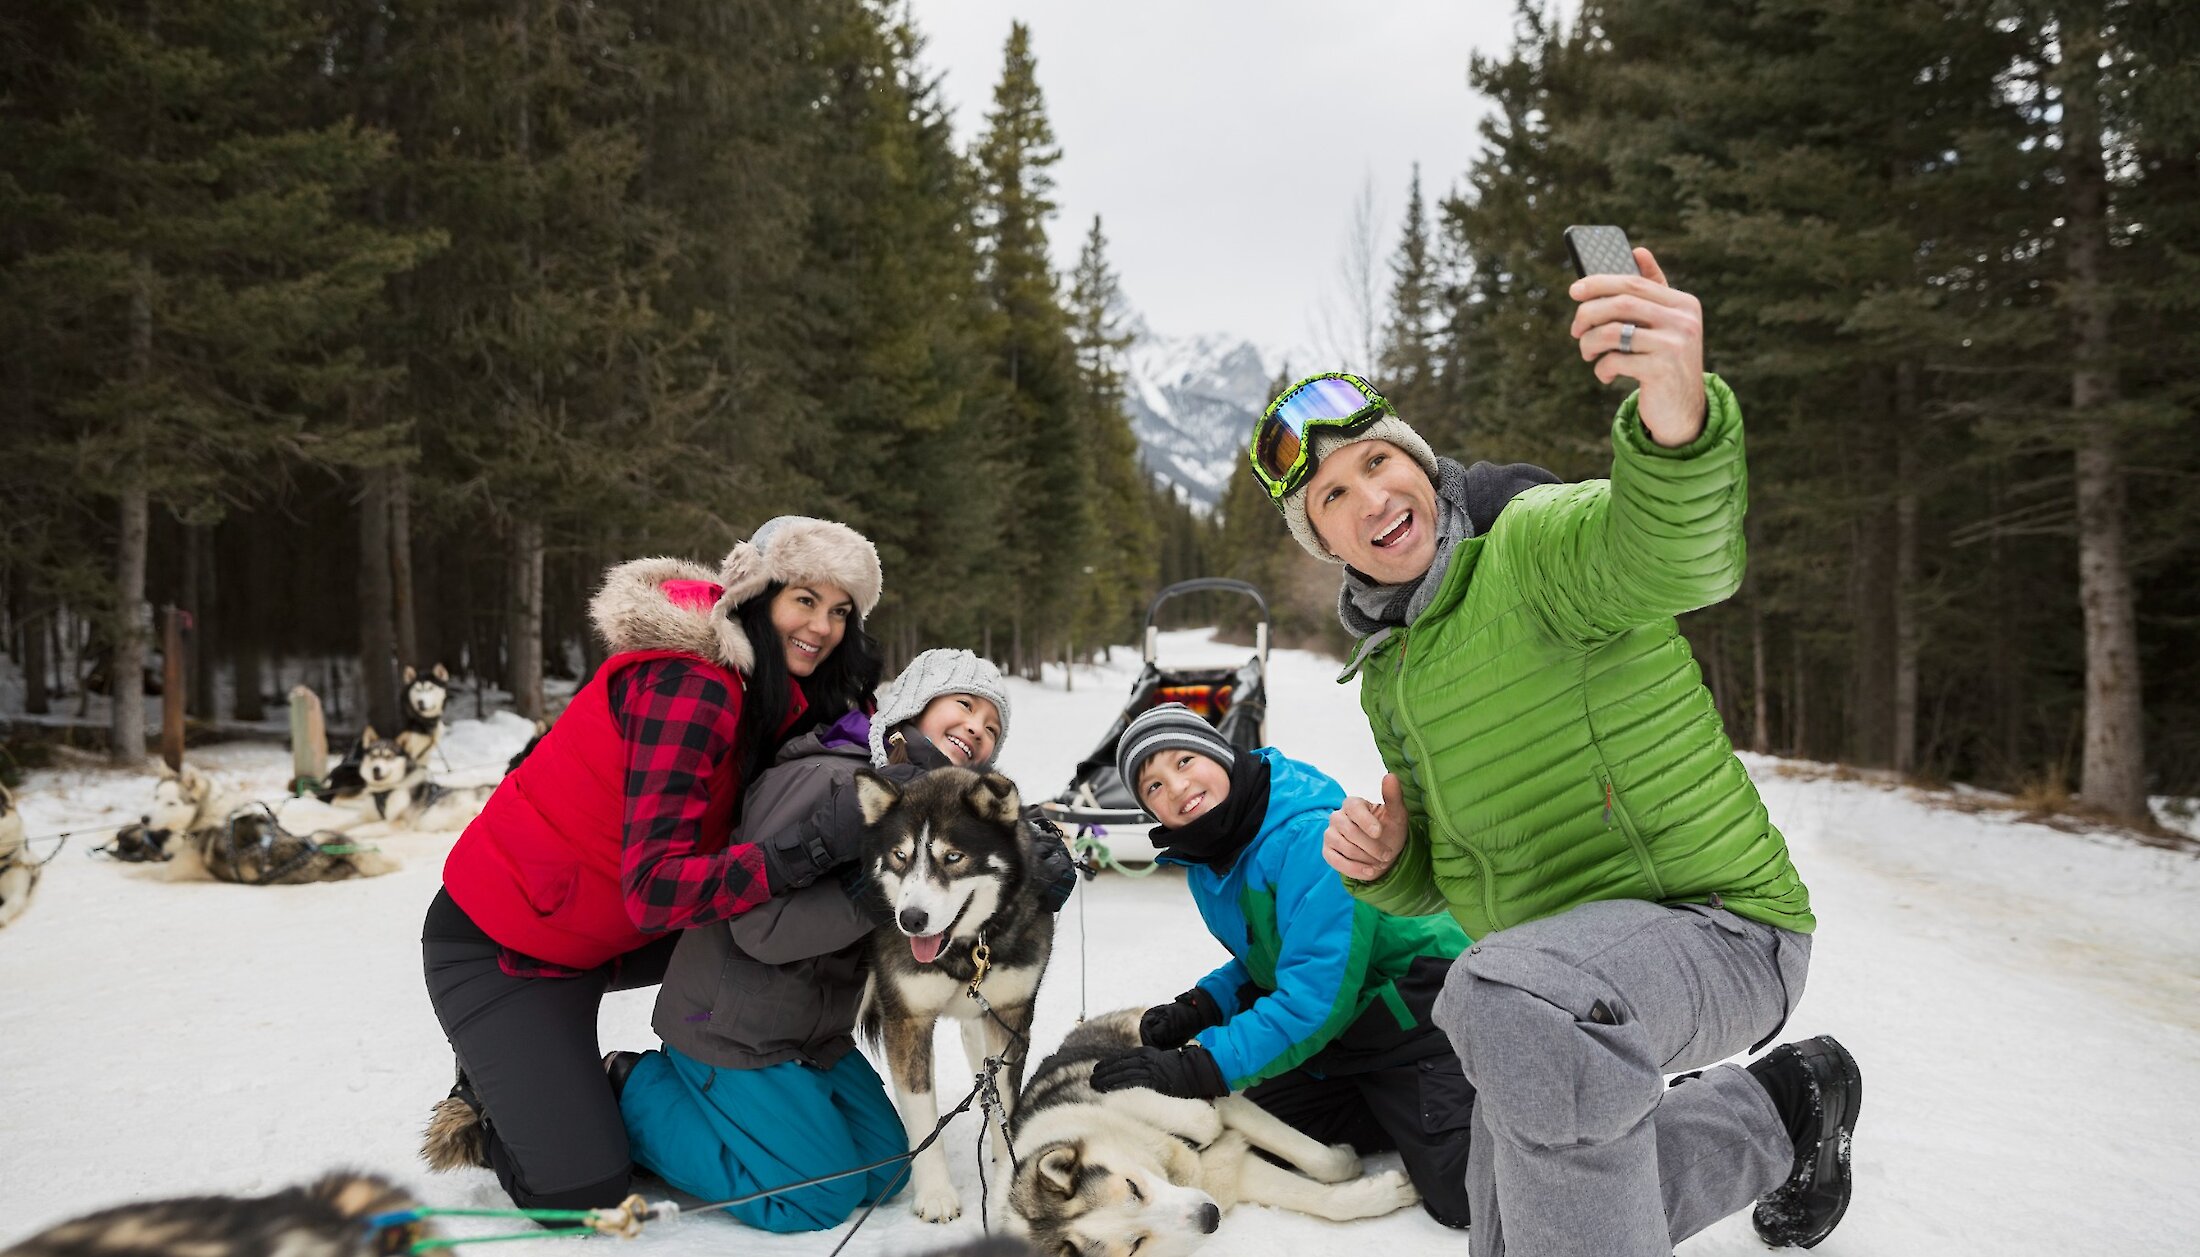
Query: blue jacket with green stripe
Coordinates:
[1317,957]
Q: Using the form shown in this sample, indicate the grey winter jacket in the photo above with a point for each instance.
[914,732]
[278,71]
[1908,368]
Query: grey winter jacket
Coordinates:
[781,981]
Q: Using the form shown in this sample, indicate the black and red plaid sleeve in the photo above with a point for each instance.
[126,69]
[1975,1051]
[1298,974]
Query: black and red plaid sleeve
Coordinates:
[679,724]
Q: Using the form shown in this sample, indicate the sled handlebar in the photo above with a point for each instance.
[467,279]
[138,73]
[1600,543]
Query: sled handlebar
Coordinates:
[1209,584]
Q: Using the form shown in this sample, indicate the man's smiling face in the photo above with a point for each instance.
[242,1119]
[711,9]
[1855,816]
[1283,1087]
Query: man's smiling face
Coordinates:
[1374,507]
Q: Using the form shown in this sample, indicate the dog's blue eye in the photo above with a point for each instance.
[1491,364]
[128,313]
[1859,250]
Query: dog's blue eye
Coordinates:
[952,857]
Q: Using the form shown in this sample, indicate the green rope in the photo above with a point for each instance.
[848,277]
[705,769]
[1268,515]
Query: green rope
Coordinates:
[559,1233]
[1099,851]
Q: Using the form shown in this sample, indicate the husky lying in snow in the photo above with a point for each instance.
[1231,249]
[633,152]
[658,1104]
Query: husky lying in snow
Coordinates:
[18,876]
[421,732]
[197,830]
[1109,1174]
[324,1219]
[953,864]
[395,787]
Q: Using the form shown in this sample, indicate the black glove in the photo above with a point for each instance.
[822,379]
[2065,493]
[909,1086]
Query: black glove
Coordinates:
[1173,1024]
[1052,869]
[1189,1072]
[828,838]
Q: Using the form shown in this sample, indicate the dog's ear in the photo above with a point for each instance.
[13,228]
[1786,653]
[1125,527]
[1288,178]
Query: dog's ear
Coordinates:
[1058,1169]
[167,773]
[368,737]
[994,798]
[875,795]
[410,674]
[441,673]
[194,784]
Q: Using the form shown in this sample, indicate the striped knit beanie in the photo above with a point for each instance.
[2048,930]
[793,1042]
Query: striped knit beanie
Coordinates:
[1170,726]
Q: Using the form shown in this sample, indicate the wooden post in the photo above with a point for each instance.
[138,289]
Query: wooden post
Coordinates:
[171,689]
[308,741]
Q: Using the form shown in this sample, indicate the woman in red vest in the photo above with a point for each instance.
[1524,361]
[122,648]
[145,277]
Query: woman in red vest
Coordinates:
[611,837]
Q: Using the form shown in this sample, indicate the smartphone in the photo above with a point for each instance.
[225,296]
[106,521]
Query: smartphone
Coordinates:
[1600,251]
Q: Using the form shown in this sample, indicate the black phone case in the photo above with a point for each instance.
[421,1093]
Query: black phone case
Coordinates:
[1600,251]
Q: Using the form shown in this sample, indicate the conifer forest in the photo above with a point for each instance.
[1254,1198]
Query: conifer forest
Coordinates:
[372,330]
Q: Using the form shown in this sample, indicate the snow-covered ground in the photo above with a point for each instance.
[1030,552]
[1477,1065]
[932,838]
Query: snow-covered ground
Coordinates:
[2025,1004]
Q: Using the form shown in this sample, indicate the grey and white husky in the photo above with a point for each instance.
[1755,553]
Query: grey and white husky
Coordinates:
[331,1217]
[396,785]
[1109,1174]
[18,875]
[952,860]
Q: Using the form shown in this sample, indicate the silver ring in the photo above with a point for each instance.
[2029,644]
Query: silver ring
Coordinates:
[1627,338]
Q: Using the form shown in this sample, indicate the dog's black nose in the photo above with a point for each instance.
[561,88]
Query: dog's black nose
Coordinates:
[912,921]
[1209,1218]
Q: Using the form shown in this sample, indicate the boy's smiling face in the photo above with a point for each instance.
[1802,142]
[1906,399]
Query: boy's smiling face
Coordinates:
[1180,786]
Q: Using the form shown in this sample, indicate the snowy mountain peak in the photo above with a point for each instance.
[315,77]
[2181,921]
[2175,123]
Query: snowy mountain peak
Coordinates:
[1192,402]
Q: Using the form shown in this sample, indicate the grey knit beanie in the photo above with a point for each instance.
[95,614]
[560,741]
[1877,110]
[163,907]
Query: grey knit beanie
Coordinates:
[1168,727]
[1328,441]
[929,675]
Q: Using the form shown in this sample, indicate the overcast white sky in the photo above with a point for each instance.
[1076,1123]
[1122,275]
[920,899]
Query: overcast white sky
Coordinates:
[1224,143]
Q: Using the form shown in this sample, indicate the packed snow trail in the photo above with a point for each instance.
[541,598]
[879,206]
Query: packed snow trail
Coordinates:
[2025,1004]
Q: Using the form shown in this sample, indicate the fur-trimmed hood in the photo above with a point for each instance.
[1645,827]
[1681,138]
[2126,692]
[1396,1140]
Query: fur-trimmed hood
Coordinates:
[670,604]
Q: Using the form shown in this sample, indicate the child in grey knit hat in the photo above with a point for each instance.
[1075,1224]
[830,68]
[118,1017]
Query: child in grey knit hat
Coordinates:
[952,699]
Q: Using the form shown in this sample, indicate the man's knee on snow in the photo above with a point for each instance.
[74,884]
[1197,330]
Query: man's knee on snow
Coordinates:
[1550,1049]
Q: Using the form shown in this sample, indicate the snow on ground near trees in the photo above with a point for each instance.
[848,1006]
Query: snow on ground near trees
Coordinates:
[2025,1004]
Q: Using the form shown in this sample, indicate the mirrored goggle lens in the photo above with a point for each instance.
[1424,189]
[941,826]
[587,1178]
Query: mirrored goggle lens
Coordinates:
[1320,399]
[1283,431]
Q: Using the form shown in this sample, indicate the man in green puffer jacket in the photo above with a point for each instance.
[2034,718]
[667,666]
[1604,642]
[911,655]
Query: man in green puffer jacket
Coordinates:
[1561,783]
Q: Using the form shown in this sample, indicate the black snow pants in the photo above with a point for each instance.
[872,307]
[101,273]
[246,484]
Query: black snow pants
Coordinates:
[1381,1087]
[528,1047]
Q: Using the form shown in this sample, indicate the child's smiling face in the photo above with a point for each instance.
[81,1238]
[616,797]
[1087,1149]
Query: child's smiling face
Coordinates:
[1180,786]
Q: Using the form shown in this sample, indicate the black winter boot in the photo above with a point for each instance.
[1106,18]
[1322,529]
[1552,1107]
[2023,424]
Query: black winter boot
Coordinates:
[616,1067]
[1817,1089]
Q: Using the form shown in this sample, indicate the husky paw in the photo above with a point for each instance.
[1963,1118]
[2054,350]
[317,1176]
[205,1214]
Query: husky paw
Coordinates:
[1379,1194]
[1341,1165]
[937,1202]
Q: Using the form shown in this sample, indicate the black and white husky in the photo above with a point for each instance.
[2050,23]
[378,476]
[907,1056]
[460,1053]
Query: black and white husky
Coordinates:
[332,1217]
[1109,1174]
[953,863]
[425,696]
[396,786]
[18,876]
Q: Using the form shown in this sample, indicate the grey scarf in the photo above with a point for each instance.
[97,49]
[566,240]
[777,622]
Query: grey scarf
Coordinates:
[1468,500]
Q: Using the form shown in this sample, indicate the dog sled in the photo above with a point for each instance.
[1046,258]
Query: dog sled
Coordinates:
[1233,700]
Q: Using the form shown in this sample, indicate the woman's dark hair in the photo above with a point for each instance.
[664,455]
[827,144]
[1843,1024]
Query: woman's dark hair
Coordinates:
[843,681]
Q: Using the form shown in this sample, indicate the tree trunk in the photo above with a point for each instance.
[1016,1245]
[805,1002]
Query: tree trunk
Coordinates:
[36,627]
[1904,596]
[246,642]
[2112,772]
[1760,725]
[402,614]
[198,601]
[1796,727]
[377,645]
[126,671]
[524,649]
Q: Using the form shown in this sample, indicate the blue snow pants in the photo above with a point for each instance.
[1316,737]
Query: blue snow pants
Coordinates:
[720,1133]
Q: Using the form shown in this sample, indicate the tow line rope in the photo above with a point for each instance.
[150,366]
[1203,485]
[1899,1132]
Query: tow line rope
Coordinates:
[627,1219]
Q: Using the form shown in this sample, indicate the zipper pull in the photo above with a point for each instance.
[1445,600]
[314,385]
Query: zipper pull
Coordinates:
[1607,803]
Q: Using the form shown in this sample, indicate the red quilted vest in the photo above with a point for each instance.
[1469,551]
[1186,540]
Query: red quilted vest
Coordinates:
[538,870]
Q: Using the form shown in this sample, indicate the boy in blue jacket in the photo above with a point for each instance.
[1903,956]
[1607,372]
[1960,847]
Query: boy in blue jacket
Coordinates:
[1322,1015]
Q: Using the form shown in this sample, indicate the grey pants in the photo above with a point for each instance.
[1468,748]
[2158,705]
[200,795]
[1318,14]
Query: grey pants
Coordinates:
[1567,1028]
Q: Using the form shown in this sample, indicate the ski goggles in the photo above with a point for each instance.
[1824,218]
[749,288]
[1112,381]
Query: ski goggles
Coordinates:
[1283,441]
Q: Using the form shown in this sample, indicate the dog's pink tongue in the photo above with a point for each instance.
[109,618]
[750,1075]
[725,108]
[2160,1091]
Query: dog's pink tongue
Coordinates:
[926,948]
